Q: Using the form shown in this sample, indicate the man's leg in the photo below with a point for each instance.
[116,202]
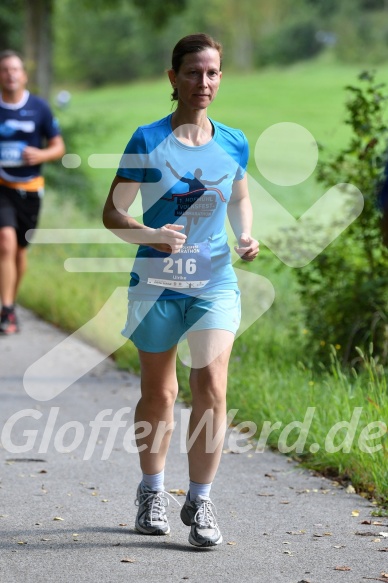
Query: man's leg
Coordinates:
[21,267]
[8,265]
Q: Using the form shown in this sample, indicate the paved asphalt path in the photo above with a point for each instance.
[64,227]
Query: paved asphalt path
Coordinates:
[280,523]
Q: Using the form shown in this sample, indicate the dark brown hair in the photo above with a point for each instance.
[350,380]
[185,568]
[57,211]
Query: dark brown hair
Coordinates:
[193,43]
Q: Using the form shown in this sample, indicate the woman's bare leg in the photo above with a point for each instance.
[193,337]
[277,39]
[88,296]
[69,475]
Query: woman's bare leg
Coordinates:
[159,389]
[208,382]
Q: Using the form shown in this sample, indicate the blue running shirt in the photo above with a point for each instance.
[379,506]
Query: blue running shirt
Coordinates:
[189,186]
[28,123]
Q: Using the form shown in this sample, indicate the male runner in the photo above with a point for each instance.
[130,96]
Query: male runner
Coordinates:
[29,136]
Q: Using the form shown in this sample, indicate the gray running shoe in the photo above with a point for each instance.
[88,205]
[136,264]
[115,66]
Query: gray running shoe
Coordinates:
[151,517]
[200,515]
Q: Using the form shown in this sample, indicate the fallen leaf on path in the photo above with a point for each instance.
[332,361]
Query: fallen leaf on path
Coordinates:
[104,500]
[296,532]
[365,533]
[383,550]
[123,524]
[284,502]
[265,494]
[383,534]
[178,492]
[342,569]
[58,518]
[231,543]
[350,489]
[22,542]
[270,476]
[127,561]
[355,513]
[339,546]
[45,539]
[288,553]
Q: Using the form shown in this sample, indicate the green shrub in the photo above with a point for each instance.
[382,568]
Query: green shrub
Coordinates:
[345,290]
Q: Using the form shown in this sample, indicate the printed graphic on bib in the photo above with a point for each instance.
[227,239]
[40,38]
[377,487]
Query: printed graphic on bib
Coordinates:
[190,268]
[11,153]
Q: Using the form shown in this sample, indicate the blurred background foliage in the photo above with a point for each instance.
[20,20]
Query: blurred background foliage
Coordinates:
[107,41]
[269,32]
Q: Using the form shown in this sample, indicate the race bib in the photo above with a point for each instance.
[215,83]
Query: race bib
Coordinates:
[190,268]
[11,153]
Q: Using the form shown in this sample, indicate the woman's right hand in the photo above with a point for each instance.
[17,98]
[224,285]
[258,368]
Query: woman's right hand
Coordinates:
[168,239]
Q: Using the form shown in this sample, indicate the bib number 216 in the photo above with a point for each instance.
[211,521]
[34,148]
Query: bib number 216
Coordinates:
[180,266]
[190,268]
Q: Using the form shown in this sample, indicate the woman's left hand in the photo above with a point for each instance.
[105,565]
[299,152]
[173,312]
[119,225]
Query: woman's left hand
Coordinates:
[249,247]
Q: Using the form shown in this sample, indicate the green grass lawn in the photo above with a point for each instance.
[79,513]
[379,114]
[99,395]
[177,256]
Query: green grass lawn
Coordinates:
[270,376]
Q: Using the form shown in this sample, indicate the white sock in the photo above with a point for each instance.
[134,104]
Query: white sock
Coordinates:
[196,489]
[154,482]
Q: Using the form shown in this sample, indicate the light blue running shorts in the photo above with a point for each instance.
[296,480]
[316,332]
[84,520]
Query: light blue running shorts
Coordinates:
[157,326]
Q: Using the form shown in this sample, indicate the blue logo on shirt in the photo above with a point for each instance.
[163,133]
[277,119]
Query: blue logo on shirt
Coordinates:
[6,130]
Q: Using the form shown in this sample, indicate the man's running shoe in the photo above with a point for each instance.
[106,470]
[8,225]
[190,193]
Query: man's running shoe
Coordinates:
[200,515]
[151,517]
[8,321]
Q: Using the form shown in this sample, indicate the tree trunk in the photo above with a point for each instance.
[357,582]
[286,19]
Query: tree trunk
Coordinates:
[38,45]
